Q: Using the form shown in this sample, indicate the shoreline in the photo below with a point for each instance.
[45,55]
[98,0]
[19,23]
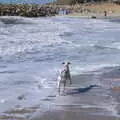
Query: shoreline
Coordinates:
[83,99]
[90,10]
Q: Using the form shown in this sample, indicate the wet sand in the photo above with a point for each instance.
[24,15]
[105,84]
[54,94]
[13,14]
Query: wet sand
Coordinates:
[97,100]
[62,115]
[69,115]
[92,96]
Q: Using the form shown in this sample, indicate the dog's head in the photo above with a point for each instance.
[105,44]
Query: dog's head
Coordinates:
[66,63]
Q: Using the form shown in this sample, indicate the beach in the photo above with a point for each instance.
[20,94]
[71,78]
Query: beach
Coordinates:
[90,102]
[32,50]
[96,100]
[94,10]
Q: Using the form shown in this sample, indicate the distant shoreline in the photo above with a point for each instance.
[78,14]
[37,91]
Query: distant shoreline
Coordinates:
[88,10]
[95,10]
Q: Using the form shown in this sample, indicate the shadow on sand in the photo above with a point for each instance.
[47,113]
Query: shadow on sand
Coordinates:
[79,90]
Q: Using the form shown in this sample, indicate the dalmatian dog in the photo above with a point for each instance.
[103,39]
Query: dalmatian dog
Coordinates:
[63,76]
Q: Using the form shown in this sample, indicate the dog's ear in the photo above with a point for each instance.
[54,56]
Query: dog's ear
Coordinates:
[63,63]
[69,63]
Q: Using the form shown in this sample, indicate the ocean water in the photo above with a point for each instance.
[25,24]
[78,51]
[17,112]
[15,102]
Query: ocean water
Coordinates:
[32,50]
[26,1]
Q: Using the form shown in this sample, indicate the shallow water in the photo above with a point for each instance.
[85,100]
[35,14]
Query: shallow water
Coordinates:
[32,50]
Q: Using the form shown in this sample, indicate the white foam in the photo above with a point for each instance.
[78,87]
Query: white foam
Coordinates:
[115,45]
[42,82]
[31,37]
[2,101]
[75,70]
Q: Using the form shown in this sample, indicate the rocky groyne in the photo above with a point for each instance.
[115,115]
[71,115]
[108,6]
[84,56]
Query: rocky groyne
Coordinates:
[27,10]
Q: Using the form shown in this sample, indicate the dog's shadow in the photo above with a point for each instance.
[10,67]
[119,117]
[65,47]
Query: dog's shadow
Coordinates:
[79,90]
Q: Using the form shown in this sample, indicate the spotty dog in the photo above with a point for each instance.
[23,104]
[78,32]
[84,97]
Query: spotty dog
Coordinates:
[64,75]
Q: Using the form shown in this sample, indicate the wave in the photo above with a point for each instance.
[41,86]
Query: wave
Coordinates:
[101,47]
[117,19]
[24,20]
[15,20]
[76,70]
[30,40]
[115,45]
[66,34]
[8,72]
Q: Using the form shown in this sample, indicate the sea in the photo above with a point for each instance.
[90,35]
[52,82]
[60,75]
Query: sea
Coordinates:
[32,51]
[26,1]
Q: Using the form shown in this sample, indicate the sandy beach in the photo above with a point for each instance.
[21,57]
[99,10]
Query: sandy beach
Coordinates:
[91,10]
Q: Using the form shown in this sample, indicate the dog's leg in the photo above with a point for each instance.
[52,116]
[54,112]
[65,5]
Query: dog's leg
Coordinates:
[69,77]
[59,87]
[64,86]
[70,80]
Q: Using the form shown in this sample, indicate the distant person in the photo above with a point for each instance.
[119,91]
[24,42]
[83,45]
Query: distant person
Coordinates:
[64,11]
[61,11]
[105,13]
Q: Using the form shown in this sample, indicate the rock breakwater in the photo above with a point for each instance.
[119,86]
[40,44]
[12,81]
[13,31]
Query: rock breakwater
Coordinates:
[27,10]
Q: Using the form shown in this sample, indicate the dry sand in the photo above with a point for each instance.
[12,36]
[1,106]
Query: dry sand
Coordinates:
[94,9]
